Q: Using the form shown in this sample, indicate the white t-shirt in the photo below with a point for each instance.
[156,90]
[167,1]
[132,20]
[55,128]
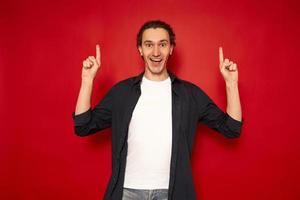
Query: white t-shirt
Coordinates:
[150,137]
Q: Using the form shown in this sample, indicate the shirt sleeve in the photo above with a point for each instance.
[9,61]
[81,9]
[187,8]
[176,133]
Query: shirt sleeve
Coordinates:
[95,119]
[211,115]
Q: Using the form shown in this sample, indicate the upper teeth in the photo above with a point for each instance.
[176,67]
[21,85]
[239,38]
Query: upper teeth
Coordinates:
[156,60]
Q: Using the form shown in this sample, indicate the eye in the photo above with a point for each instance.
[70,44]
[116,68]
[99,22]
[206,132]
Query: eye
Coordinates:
[148,45]
[163,44]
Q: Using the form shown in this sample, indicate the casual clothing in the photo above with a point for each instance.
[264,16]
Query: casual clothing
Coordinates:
[150,137]
[137,194]
[189,106]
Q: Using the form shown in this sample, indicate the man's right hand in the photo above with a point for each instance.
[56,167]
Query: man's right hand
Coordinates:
[91,65]
[89,70]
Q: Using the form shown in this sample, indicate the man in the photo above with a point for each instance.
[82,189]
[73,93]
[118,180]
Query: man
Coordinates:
[154,118]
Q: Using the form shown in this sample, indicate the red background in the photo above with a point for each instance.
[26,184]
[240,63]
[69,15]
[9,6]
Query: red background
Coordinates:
[42,49]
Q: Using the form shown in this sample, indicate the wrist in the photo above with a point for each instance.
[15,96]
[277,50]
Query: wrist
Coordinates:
[87,81]
[231,84]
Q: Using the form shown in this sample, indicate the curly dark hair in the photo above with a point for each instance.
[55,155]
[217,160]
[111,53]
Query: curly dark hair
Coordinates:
[155,24]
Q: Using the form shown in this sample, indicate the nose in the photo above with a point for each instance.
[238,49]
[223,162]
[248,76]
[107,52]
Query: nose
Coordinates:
[156,51]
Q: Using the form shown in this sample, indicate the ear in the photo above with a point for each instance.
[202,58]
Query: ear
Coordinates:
[171,49]
[140,50]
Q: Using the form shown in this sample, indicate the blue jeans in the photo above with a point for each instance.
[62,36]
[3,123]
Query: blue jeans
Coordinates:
[137,194]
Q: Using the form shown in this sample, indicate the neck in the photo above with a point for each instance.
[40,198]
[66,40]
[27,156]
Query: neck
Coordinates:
[156,77]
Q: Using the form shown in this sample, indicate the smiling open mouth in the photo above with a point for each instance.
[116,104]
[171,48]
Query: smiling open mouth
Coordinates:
[156,60]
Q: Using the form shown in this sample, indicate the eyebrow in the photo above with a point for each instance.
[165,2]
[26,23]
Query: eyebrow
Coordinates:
[164,40]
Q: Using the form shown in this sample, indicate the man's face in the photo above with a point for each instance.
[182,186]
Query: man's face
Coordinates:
[155,49]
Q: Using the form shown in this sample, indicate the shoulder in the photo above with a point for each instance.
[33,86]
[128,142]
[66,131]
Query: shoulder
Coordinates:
[192,87]
[125,82]
[193,91]
[122,85]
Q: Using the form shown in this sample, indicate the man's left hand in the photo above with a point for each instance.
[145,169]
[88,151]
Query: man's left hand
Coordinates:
[228,68]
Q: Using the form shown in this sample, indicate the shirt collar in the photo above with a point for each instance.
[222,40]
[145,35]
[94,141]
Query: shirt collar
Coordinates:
[139,77]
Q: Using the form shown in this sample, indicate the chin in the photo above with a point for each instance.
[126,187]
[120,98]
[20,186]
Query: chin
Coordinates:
[156,70]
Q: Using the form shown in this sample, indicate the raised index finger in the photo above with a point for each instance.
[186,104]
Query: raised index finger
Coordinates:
[98,55]
[221,58]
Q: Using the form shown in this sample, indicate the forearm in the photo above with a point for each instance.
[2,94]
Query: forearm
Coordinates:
[233,101]
[84,97]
